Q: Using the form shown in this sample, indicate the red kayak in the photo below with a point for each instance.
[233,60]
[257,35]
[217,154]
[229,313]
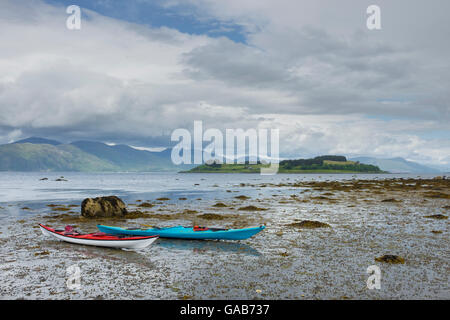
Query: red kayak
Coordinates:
[99,238]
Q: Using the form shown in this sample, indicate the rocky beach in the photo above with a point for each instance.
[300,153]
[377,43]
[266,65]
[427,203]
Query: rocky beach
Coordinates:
[323,232]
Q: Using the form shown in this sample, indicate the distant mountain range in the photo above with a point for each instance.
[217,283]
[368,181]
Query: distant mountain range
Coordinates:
[37,140]
[397,165]
[39,154]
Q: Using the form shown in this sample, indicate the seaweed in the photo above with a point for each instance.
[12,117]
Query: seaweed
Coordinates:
[145,205]
[242,197]
[252,208]
[322,198]
[309,224]
[437,216]
[211,216]
[220,205]
[437,195]
[389,258]
[390,200]
[42,253]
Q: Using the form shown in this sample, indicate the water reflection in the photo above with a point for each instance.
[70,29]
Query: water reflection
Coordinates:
[206,245]
[138,257]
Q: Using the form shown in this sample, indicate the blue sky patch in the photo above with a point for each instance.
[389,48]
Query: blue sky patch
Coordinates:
[152,13]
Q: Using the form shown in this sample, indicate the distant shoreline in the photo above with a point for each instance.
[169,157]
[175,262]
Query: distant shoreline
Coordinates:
[291,172]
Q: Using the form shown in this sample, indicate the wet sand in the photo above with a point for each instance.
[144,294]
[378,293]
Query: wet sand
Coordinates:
[290,259]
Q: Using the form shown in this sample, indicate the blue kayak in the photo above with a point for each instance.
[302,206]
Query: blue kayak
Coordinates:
[180,232]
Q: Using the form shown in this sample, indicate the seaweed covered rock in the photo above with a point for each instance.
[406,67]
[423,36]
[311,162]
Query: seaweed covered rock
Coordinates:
[251,208]
[437,216]
[309,224]
[390,200]
[220,205]
[145,205]
[110,206]
[389,258]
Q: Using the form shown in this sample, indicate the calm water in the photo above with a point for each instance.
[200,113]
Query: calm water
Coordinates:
[27,186]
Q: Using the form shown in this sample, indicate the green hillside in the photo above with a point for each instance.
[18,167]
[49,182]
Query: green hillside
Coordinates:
[38,154]
[127,158]
[46,157]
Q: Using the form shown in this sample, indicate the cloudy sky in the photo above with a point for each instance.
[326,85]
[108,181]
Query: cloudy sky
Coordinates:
[139,69]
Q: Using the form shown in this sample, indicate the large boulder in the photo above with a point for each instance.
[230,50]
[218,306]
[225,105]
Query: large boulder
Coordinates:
[110,206]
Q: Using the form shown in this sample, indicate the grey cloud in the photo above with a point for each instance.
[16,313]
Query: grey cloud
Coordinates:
[347,75]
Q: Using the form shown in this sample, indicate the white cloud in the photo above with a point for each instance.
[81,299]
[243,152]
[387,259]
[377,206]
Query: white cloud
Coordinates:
[149,149]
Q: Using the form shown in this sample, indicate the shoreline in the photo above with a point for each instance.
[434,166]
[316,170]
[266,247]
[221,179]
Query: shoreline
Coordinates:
[292,172]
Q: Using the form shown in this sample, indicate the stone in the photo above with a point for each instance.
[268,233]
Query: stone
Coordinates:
[110,206]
